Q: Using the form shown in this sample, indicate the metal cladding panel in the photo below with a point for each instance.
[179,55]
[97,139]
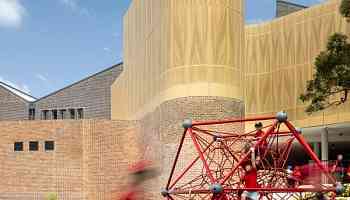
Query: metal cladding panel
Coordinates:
[289,45]
[176,49]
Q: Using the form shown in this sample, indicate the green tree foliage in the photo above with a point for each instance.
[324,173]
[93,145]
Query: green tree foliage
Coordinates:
[332,76]
[345,9]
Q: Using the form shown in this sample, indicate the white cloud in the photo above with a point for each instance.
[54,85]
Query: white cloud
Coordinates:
[75,7]
[107,49]
[21,87]
[41,77]
[11,13]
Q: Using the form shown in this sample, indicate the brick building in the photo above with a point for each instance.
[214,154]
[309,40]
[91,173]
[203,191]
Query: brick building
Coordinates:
[14,104]
[89,98]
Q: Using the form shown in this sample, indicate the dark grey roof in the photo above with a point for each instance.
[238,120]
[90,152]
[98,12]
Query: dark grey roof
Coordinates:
[291,3]
[55,92]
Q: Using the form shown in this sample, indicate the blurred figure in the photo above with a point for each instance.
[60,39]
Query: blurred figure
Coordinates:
[348,174]
[258,135]
[139,172]
[294,177]
[249,177]
[338,169]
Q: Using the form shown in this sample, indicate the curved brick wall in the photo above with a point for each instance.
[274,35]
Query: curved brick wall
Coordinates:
[162,130]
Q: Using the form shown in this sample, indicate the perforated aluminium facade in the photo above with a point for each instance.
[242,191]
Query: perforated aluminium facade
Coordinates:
[202,48]
[279,60]
[177,49]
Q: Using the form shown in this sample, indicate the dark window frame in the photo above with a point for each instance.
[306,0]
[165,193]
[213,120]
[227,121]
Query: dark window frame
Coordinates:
[33,146]
[72,113]
[80,113]
[45,114]
[16,147]
[54,114]
[49,145]
[31,113]
[62,113]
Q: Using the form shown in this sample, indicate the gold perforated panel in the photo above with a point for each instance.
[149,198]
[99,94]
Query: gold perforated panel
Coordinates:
[279,60]
[185,48]
[176,49]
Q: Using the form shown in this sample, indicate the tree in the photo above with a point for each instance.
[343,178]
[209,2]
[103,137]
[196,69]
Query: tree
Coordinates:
[345,9]
[332,76]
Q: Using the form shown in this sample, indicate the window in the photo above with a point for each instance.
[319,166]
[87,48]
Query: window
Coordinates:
[62,114]
[49,145]
[80,113]
[18,146]
[45,115]
[72,113]
[31,114]
[54,114]
[33,146]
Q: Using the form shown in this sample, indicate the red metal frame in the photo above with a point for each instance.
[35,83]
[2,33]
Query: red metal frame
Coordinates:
[217,155]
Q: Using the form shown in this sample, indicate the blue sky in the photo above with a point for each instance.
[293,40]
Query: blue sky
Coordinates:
[48,44]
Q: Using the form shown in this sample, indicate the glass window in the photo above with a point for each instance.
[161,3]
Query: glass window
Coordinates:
[18,146]
[62,114]
[54,114]
[33,146]
[80,113]
[45,115]
[31,114]
[49,145]
[72,113]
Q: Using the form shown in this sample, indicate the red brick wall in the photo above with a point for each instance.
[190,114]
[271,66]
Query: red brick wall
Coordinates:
[89,161]
[109,148]
[92,156]
[32,175]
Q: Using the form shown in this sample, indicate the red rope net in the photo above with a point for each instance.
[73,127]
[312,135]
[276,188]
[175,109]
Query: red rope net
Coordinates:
[215,160]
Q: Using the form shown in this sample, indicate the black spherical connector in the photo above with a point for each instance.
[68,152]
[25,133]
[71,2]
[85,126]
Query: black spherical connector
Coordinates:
[187,123]
[298,130]
[164,192]
[281,116]
[216,188]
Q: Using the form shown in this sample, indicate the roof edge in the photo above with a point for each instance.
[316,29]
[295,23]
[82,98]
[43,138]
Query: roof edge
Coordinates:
[293,4]
[7,85]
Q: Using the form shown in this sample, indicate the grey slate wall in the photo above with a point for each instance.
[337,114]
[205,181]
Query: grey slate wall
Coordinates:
[93,94]
[12,107]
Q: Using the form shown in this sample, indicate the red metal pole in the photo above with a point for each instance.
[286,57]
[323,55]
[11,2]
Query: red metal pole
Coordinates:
[271,190]
[263,138]
[206,166]
[198,123]
[308,149]
[171,198]
[176,158]
[189,167]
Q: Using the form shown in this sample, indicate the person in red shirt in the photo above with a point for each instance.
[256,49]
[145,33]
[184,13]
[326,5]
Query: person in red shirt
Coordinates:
[140,172]
[295,177]
[250,177]
[347,180]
